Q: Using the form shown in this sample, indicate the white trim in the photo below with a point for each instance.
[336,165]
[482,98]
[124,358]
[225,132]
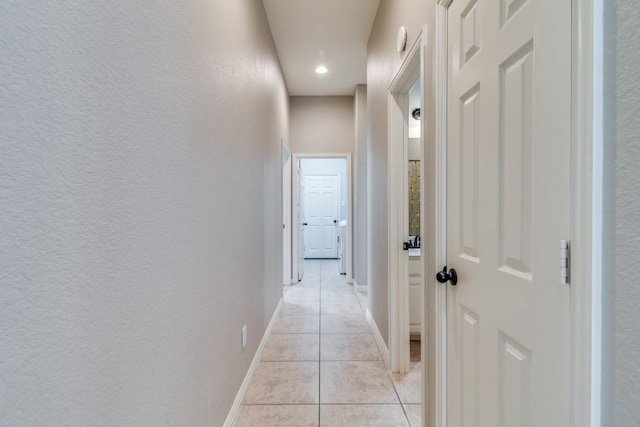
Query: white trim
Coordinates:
[286,216]
[415,331]
[237,403]
[382,346]
[597,103]
[295,200]
[586,208]
[294,206]
[350,227]
[407,75]
[437,295]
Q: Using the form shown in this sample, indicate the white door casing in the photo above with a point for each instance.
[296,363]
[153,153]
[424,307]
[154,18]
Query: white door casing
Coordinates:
[321,201]
[287,234]
[300,223]
[508,206]
[410,71]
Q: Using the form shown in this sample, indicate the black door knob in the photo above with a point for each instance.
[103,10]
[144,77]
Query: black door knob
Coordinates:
[445,276]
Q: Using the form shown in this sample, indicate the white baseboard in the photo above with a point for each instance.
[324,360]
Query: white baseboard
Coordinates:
[235,408]
[378,337]
[357,286]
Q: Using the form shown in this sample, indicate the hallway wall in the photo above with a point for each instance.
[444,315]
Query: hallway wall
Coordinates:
[360,186]
[621,286]
[321,124]
[382,63]
[140,208]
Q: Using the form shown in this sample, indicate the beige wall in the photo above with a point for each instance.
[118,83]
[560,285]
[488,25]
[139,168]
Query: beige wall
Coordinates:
[141,178]
[321,124]
[382,63]
[360,186]
[621,240]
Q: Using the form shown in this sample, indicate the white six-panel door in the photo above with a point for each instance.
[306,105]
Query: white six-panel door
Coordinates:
[321,213]
[508,207]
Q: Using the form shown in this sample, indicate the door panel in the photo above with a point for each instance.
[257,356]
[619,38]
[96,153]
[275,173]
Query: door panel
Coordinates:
[515,372]
[321,205]
[516,156]
[469,179]
[508,195]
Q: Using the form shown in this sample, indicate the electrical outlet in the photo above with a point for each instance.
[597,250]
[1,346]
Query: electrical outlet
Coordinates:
[244,336]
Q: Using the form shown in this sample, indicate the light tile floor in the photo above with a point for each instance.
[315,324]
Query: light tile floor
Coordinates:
[321,365]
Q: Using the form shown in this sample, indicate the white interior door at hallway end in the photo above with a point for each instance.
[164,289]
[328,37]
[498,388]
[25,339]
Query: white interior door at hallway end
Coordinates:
[508,208]
[321,204]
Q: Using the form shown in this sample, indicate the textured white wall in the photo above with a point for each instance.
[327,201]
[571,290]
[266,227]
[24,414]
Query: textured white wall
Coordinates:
[321,124]
[621,284]
[382,64]
[138,141]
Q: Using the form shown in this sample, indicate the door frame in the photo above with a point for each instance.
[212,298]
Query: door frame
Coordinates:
[586,215]
[411,70]
[294,191]
[287,234]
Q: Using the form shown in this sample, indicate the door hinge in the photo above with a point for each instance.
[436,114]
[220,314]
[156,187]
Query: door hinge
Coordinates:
[564,262]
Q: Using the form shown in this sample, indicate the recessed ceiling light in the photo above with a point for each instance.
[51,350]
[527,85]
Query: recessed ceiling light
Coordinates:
[322,69]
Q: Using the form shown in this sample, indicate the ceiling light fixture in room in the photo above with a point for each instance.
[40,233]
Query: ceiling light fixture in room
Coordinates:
[322,69]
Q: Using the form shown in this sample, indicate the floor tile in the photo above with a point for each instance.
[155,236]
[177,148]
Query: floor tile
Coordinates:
[414,414]
[356,382]
[338,295]
[409,385]
[362,416]
[350,380]
[284,383]
[336,284]
[296,324]
[344,324]
[349,347]
[302,294]
[340,307]
[363,297]
[277,416]
[291,347]
[300,307]
[309,278]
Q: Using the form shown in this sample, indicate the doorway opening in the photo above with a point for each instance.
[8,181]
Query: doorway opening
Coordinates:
[408,329]
[321,212]
[414,189]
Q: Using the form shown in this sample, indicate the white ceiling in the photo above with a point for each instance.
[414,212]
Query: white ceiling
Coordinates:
[334,33]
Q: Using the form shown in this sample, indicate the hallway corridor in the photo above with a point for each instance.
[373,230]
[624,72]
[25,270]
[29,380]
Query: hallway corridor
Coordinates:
[321,365]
